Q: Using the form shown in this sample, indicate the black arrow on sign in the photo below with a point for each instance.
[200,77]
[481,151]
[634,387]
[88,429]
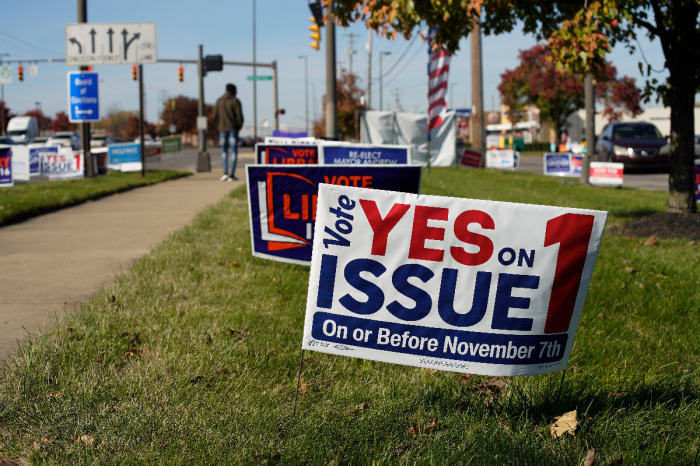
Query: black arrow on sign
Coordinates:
[110,32]
[73,41]
[126,44]
[92,33]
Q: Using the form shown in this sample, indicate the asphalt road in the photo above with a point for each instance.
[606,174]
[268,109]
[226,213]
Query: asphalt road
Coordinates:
[649,181]
[187,160]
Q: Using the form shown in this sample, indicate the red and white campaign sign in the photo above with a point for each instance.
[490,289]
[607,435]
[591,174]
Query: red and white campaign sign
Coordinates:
[462,285]
[606,174]
[471,158]
[64,165]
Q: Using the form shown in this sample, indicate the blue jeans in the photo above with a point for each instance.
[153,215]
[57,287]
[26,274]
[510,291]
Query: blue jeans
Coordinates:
[229,139]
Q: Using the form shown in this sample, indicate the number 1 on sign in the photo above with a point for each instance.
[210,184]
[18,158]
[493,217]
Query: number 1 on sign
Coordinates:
[77,161]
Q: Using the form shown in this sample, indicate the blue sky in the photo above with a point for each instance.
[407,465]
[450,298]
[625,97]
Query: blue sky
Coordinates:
[35,29]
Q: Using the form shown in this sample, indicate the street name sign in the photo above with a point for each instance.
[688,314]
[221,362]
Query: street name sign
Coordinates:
[259,78]
[83,96]
[111,44]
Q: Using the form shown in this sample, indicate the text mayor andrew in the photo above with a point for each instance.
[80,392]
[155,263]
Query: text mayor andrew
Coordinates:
[466,285]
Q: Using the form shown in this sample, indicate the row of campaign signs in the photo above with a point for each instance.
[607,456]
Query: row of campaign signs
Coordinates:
[462,285]
[21,162]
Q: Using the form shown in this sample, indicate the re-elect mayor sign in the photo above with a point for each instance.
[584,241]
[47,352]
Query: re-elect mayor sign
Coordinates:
[464,285]
[365,154]
[282,201]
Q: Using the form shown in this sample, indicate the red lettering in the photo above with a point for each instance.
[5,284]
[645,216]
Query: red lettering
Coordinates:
[355,180]
[287,208]
[301,162]
[382,226]
[367,181]
[4,162]
[421,232]
[343,181]
[464,235]
[314,201]
[304,206]
[331,181]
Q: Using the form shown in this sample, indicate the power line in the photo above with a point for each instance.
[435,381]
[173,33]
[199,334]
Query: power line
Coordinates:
[405,66]
[396,63]
[41,49]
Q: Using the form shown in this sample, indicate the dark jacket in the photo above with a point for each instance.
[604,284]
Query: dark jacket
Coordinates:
[228,113]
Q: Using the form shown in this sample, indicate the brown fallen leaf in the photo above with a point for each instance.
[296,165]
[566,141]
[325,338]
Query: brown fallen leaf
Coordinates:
[234,264]
[196,379]
[413,430]
[303,388]
[491,387]
[86,439]
[590,457]
[617,462]
[503,423]
[271,350]
[430,427]
[46,441]
[129,354]
[465,378]
[630,270]
[563,424]
[650,241]
[36,446]
[54,395]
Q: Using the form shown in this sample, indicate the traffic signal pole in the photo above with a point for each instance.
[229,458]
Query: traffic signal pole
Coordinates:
[85,127]
[142,124]
[203,162]
[331,100]
[590,129]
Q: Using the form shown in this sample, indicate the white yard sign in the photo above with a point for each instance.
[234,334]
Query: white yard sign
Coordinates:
[456,284]
[111,44]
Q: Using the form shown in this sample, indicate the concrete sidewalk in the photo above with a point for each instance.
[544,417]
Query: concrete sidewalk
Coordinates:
[65,256]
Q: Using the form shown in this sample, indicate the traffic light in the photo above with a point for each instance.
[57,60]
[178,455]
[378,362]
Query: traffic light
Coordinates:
[180,75]
[20,73]
[213,63]
[134,73]
[315,33]
[89,68]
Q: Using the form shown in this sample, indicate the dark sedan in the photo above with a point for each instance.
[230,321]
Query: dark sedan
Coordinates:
[637,145]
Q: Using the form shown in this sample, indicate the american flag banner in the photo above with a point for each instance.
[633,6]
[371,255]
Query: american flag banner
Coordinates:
[438,71]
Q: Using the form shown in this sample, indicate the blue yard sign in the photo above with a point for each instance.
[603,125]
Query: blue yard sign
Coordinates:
[6,167]
[83,96]
[365,154]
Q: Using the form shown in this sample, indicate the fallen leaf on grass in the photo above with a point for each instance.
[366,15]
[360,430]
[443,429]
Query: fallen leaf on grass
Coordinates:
[413,430]
[234,264]
[46,441]
[35,445]
[8,462]
[465,378]
[429,427]
[590,457]
[630,270]
[650,241]
[617,462]
[196,379]
[564,424]
[271,350]
[493,386]
[303,388]
[86,439]
[362,407]
[129,354]
[503,423]
[54,395]
[308,361]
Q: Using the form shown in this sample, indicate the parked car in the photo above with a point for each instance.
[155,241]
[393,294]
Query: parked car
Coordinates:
[666,150]
[100,140]
[7,140]
[23,129]
[65,139]
[40,140]
[635,144]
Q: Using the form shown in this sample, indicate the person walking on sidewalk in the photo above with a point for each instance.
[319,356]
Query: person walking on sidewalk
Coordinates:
[229,117]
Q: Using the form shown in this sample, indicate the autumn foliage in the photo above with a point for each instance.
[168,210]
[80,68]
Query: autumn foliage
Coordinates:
[559,93]
[348,95]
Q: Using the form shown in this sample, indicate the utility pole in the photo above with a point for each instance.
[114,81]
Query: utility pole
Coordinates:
[331,97]
[477,117]
[274,96]
[590,129]
[350,51]
[314,104]
[306,89]
[381,88]
[369,68]
[398,106]
[203,162]
[141,123]
[2,98]
[85,127]
[255,86]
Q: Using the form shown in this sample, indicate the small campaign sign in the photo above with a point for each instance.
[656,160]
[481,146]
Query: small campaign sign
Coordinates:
[35,155]
[311,141]
[462,285]
[557,164]
[282,201]
[124,153]
[286,154]
[6,179]
[364,154]
[62,165]
[20,163]
[502,159]
[576,164]
[696,172]
[606,174]
[471,158]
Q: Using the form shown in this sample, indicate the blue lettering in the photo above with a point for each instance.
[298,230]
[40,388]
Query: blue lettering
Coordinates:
[423,301]
[506,301]
[482,288]
[375,295]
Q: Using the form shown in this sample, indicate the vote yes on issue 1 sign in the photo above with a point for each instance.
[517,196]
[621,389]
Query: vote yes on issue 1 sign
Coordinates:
[463,285]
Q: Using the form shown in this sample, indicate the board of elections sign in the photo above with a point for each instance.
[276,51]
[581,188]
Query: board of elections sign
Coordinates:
[286,154]
[356,154]
[464,285]
[6,179]
[282,201]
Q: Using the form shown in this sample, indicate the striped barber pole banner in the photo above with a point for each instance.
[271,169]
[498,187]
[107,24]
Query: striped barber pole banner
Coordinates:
[438,71]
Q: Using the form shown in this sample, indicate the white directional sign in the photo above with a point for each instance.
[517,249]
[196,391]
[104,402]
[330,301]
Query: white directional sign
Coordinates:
[111,44]
[5,74]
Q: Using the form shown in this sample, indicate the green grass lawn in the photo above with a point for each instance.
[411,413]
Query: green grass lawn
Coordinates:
[22,201]
[191,357]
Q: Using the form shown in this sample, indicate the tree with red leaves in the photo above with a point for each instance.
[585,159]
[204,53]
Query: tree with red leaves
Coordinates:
[558,94]
[61,123]
[349,107]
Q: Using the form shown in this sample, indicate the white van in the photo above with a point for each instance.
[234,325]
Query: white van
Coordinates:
[23,129]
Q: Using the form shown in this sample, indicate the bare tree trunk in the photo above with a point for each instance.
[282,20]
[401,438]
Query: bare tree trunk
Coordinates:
[682,64]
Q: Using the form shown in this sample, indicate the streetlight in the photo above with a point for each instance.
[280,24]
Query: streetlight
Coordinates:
[2,98]
[255,82]
[306,89]
[381,107]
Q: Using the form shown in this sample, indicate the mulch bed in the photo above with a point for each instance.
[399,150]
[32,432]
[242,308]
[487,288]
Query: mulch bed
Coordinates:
[662,225]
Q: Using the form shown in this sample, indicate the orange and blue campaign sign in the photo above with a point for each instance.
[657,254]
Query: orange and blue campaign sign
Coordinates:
[286,154]
[282,201]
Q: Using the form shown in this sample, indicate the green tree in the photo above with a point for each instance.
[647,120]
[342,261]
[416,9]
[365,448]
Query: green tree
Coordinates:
[580,35]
